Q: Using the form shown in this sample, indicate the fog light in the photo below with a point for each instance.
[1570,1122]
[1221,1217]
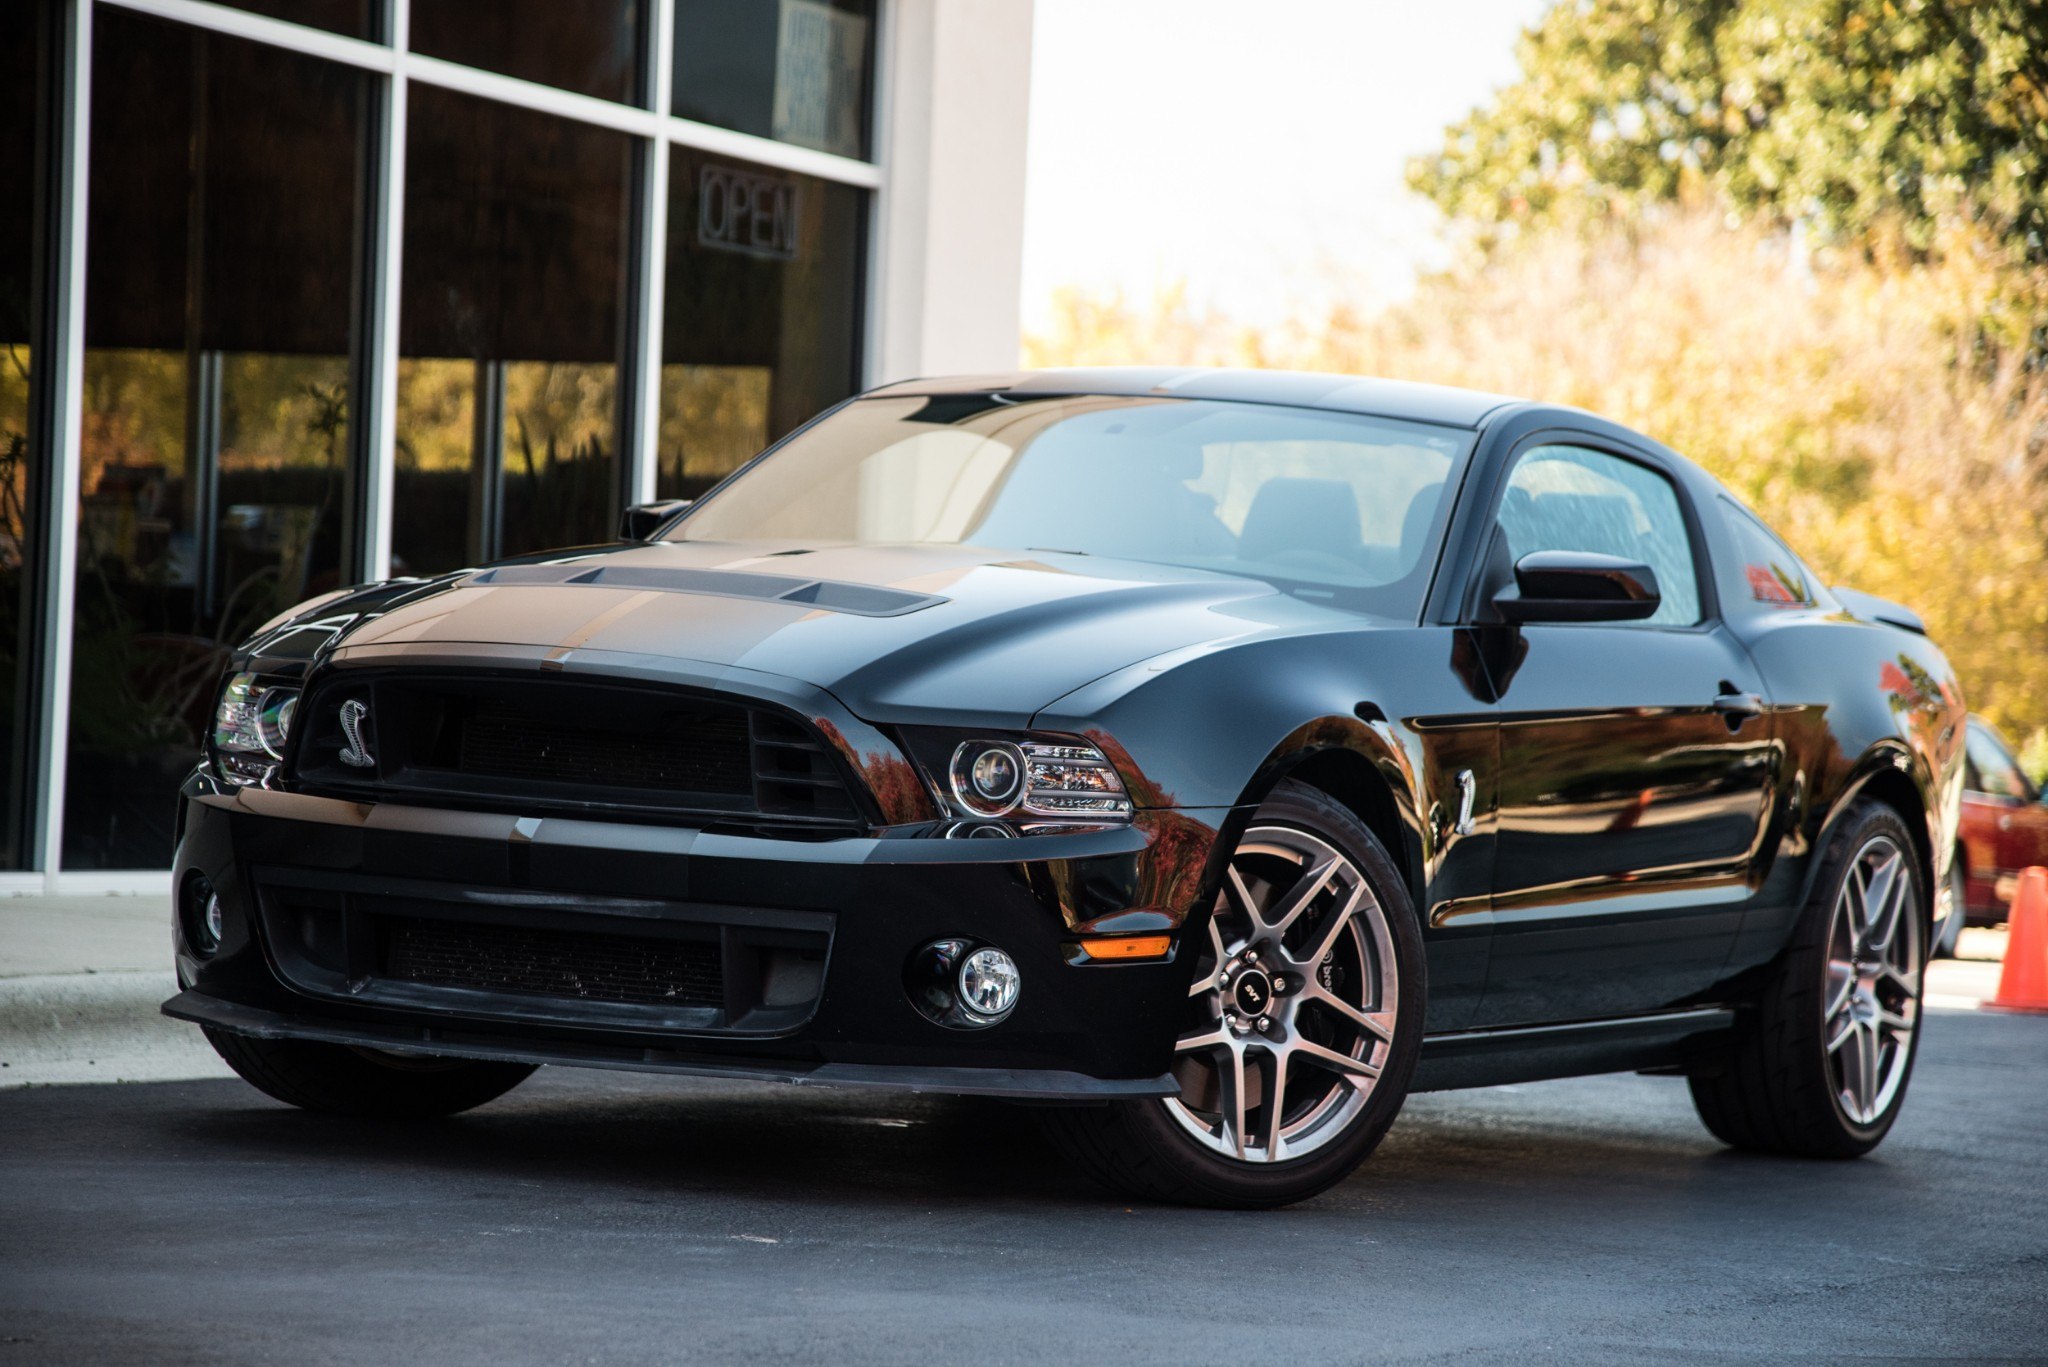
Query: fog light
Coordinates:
[989,982]
[203,917]
[962,984]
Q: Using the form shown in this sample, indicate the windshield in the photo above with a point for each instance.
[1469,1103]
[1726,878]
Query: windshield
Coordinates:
[1327,505]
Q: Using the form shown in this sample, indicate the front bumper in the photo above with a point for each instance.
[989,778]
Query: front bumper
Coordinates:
[307,883]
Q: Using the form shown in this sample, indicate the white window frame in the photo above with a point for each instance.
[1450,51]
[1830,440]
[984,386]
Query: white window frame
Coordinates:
[401,68]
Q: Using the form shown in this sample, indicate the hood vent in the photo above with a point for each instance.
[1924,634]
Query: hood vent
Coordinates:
[861,600]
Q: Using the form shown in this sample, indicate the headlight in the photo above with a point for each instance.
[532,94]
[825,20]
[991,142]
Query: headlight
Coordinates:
[250,727]
[1058,779]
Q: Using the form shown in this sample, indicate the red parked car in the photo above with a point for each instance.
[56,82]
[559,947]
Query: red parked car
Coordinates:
[2004,827]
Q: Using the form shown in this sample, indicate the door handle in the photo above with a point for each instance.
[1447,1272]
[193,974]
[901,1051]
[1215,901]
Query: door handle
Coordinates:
[1734,705]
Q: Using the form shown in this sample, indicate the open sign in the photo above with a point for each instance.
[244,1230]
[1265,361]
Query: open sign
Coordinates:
[743,211]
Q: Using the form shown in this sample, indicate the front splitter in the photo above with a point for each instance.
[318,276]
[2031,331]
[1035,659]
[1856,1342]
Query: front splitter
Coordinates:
[440,1041]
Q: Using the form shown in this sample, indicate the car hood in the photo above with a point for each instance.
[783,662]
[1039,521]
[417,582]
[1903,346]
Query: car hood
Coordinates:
[896,633]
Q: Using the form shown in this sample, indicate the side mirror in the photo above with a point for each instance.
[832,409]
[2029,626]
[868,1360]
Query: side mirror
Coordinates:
[1578,586]
[643,520]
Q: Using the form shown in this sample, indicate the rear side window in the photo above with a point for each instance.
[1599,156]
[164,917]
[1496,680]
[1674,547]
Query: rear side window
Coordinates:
[1773,574]
[1568,498]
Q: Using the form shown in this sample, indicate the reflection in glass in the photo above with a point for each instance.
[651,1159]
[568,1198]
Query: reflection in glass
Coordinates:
[433,524]
[1567,498]
[516,233]
[713,420]
[221,278]
[763,312]
[559,468]
[798,71]
[591,47]
[21,37]
[1337,507]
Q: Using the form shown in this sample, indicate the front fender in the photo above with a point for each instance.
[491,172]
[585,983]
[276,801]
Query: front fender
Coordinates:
[1403,707]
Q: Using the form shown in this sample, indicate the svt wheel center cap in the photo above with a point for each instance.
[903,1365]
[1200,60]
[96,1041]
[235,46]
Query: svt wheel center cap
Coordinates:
[1252,993]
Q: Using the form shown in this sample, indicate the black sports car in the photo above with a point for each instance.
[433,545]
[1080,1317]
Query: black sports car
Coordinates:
[1221,755]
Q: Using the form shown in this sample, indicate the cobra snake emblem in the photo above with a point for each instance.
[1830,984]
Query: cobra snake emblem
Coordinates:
[355,752]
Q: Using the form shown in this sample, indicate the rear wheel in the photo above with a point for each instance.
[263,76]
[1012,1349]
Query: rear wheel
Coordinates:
[1952,932]
[1302,1025]
[1822,1068]
[343,1080]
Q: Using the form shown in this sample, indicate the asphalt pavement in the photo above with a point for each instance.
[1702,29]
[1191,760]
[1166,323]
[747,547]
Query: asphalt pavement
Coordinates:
[592,1217]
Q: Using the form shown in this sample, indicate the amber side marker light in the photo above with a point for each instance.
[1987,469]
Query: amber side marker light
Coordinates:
[1128,946]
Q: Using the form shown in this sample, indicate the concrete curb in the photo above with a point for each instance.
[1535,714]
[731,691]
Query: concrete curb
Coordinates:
[97,1027]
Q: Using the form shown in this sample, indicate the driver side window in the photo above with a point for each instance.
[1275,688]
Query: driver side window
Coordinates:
[1569,498]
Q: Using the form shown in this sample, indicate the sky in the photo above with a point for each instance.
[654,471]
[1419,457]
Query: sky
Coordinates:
[1252,149]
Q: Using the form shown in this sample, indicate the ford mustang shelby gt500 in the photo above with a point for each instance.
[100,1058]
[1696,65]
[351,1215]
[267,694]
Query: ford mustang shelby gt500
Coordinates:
[1221,756]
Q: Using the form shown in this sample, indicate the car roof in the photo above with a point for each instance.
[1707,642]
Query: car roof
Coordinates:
[1432,403]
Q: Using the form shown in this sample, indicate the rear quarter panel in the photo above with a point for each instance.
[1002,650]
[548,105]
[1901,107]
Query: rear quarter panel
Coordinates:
[1856,708]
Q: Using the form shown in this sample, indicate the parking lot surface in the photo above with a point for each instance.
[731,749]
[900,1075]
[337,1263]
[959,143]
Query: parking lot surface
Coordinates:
[619,1218]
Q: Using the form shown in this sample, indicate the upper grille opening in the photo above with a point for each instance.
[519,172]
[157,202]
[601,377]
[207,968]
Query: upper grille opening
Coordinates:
[703,751]
[533,742]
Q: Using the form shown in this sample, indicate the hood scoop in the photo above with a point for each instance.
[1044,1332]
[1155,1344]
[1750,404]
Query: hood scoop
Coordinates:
[861,600]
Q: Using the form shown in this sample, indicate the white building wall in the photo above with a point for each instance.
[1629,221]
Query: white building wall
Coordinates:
[952,126]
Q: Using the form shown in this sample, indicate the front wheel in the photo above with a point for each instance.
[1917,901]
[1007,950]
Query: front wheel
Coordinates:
[1302,1025]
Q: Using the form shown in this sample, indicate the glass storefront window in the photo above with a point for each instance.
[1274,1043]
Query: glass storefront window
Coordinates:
[798,71]
[350,18]
[511,328]
[222,275]
[592,47]
[763,311]
[23,34]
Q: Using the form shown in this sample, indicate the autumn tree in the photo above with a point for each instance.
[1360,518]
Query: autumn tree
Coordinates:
[1864,119]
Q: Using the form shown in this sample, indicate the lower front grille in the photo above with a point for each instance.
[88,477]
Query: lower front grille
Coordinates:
[552,963]
[471,951]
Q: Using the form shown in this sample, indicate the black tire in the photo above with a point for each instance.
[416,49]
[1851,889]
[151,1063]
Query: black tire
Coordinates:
[340,1080]
[1773,1092]
[1952,934]
[1138,1148]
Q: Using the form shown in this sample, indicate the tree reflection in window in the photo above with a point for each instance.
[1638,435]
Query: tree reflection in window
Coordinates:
[222,274]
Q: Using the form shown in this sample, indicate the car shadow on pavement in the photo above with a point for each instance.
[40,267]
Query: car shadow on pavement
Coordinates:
[1515,1150]
[678,1140]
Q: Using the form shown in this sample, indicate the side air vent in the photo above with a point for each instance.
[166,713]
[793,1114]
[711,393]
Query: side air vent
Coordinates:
[793,773]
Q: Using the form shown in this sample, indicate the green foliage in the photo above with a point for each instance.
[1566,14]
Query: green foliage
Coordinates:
[1874,121]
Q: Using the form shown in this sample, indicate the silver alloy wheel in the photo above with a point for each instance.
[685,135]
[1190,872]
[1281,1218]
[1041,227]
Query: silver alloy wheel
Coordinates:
[1873,987]
[1294,1003]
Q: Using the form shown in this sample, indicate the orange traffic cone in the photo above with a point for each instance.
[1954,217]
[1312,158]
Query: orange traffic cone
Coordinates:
[2023,982]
